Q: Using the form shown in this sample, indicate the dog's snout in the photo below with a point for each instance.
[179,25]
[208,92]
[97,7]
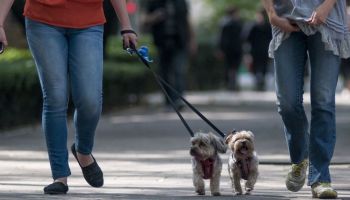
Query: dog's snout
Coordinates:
[192,151]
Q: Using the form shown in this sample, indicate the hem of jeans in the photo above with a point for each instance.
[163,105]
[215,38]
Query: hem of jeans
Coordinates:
[310,183]
[306,158]
[83,152]
[61,175]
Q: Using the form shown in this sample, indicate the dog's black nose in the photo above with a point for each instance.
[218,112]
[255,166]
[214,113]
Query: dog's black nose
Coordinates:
[192,152]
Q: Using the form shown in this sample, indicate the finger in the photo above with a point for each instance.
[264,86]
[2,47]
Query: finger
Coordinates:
[134,42]
[132,38]
[4,42]
[315,22]
[295,27]
[311,18]
[126,43]
[291,28]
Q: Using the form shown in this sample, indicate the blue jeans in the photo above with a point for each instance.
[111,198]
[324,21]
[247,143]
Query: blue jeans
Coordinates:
[68,61]
[316,143]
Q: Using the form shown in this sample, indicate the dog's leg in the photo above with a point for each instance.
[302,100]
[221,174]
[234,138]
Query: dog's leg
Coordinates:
[231,177]
[249,185]
[215,184]
[237,182]
[198,183]
[215,180]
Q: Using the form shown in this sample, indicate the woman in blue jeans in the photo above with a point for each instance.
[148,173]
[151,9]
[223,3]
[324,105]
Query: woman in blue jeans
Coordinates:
[316,29]
[65,38]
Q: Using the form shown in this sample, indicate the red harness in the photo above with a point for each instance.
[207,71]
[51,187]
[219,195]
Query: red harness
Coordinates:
[244,166]
[207,167]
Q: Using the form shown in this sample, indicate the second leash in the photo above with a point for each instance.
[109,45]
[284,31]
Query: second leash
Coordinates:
[143,56]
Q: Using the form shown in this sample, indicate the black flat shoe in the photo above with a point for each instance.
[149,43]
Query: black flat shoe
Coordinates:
[56,188]
[92,173]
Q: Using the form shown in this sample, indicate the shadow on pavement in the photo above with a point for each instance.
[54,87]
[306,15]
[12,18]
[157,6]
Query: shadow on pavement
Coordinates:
[134,196]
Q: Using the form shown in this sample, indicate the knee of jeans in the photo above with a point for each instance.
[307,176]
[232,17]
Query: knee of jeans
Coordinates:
[55,103]
[89,105]
[287,108]
[323,102]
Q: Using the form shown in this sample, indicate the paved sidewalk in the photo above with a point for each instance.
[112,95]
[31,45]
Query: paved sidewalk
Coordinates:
[144,153]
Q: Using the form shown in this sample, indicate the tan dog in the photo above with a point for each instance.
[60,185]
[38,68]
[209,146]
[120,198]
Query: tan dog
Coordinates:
[243,161]
[206,163]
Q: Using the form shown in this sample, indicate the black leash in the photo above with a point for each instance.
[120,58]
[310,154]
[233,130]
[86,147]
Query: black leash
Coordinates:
[161,82]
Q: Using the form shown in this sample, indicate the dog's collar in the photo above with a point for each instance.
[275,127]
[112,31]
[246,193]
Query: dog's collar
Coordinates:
[207,167]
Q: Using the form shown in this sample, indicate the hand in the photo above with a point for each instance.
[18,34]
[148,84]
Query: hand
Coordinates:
[129,40]
[283,23]
[319,16]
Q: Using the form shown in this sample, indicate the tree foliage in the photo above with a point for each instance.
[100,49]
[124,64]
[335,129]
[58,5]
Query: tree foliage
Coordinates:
[208,28]
[247,7]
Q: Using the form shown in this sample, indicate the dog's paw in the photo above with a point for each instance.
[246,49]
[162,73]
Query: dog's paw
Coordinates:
[248,191]
[238,193]
[215,194]
[200,192]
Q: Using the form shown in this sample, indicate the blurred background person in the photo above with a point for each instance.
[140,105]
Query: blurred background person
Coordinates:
[259,39]
[230,45]
[169,23]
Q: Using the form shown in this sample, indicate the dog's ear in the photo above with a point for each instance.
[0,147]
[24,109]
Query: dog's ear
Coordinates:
[251,134]
[218,143]
[228,137]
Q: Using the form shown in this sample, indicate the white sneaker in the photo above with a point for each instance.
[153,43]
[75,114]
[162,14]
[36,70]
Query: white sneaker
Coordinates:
[323,191]
[296,176]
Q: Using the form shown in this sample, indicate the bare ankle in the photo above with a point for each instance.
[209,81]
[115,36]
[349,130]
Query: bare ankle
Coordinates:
[62,180]
[85,160]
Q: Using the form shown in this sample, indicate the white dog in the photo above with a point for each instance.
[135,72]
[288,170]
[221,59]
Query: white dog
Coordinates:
[206,163]
[243,161]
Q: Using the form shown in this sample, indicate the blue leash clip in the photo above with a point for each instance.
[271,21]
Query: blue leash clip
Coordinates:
[142,51]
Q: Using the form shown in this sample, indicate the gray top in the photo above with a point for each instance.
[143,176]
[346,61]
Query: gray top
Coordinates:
[335,32]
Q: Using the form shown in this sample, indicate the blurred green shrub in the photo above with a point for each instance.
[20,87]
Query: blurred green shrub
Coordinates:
[21,99]
[126,80]
[12,54]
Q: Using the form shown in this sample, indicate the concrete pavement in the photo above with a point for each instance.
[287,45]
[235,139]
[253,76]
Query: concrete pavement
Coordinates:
[144,152]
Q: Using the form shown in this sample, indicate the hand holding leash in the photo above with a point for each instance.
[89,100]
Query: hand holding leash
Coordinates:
[129,38]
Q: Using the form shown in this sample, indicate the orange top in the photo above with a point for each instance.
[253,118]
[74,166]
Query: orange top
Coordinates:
[66,13]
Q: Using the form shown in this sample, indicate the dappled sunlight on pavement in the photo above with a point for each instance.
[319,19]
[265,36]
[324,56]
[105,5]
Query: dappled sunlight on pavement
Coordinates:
[144,153]
[141,175]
